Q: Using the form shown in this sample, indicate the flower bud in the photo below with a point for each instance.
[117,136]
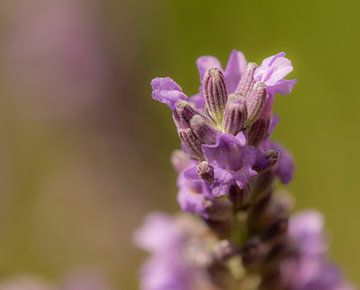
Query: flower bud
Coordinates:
[206,171]
[191,142]
[235,114]
[255,102]
[201,128]
[258,131]
[215,94]
[272,157]
[247,80]
[184,111]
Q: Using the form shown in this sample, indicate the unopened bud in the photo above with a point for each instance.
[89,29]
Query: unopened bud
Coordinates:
[218,209]
[235,114]
[271,158]
[215,94]
[202,129]
[206,171]
[184,112]
[258,131]
[247,80]
[191,142]
[255,102]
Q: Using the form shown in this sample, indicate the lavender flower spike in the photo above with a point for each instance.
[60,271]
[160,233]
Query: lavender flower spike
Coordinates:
[243,235]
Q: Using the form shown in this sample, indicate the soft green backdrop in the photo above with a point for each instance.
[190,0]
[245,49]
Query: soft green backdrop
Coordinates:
[117,152]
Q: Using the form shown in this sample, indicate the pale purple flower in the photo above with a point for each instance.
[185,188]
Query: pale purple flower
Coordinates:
[306,229]
[167,91]
[272,72]
[193,192]
[233,161]
[312,273]
[166,268]
[158,233]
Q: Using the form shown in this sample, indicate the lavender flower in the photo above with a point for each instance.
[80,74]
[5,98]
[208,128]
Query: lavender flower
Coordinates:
[228,165]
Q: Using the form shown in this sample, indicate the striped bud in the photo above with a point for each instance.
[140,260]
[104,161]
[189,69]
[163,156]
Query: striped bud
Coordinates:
[206,171]
[258,131]
[184,111]
[247,80]
[191,142]
[235,114]
[255,102]
[202,129]
[215,94]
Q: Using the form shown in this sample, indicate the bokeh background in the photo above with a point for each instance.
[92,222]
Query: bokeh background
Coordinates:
[84,150]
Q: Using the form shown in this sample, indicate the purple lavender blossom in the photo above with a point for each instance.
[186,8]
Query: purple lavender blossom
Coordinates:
[232,160]
[227,170]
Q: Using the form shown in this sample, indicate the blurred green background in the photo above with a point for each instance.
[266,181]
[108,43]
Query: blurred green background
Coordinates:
[84,150]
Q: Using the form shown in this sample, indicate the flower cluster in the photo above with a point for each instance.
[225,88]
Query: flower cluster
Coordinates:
[239,235]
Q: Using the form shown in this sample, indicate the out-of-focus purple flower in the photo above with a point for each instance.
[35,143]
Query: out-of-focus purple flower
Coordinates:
[310,269]
[193,192]
[309,273]
[233,162]
[166,272]
[166,269]
[176,258]
[306,229]
[158,233]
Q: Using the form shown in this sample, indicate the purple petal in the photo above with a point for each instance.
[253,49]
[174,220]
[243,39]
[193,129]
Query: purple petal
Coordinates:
[167,91]
[164,273]
[244,175]
[223,180]
[307,230]
[272,72]
[198,101]
[227,152]
[205,62]
[285,167]
[191,201]
[157,233]
[235,68]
